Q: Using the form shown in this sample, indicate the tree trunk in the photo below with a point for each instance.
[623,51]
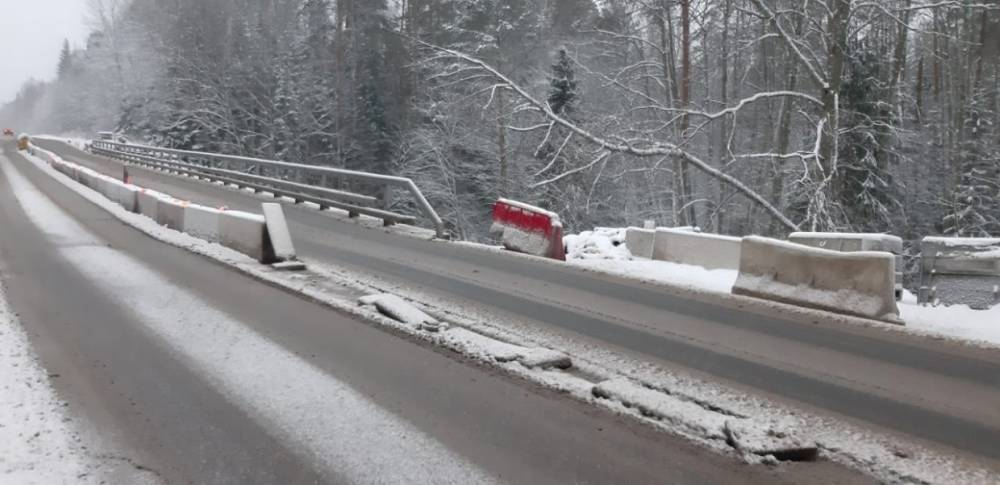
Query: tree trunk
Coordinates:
[895,110]
[682,168]
[782,138]
[840,11]
[920,90]
[724,100]
[502,143]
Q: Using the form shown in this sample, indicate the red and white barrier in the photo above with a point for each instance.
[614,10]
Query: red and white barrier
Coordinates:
[529,229]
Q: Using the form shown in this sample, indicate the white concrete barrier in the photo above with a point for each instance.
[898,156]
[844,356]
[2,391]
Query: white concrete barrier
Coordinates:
[960,271]
[109,188]
[848,242]
[149,202]
[640,242]
[263,237]
[128,197]
[86,179]
[246,233]
[710,251]
[202,222]
[170,213]
[858,283]
[277,231]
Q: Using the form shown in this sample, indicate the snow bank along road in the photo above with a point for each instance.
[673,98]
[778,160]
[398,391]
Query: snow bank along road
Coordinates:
[198,374]
[941,393]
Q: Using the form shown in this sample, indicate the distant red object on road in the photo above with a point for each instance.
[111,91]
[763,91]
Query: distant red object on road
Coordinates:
[8,132]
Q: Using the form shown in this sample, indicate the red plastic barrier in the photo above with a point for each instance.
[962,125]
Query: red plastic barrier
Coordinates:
[529,229]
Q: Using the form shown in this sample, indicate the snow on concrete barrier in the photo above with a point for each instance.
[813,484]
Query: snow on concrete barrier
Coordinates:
[202,222]
[847,242]
[277,230]
[109,188]
[149,201]
[960,271]
[710,251]
[859,283]
[246,233]
[128,197]
[170,213]
[263,237]
[640,242]
[528,229]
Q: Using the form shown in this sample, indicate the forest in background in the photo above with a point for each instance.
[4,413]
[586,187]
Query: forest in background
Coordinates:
[737,116]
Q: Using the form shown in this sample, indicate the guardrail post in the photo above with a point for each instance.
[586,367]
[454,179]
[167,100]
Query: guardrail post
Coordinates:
[387,197]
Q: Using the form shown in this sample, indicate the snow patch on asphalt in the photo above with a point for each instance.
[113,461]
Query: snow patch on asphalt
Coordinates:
[37,442]
[291,397]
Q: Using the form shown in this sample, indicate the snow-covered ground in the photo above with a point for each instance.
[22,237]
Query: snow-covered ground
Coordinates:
[37,443]
[604,250]
[957,321]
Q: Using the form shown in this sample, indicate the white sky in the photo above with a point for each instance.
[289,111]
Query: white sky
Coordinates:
[31,35]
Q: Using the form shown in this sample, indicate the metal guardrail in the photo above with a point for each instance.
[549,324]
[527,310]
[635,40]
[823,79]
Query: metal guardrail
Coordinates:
[301,182]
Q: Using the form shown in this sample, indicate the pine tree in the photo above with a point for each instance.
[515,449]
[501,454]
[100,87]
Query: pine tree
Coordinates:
[975,205]
[563,94]
[65,60]
[865,186]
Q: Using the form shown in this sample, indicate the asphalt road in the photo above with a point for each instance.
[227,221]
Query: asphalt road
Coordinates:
[941,393]
[89,299]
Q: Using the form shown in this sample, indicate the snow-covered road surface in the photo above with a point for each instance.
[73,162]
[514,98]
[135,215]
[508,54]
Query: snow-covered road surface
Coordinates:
[268,383]
[199,374]
[895,383]
[37,441]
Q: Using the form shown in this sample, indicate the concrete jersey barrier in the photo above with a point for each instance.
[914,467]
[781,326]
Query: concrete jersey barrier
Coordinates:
[710,251]
[856,283]
[170,213]
[849,241]
[528,229]
[202,222]
[960,271]
[639,242]
[853,242]
[247,233]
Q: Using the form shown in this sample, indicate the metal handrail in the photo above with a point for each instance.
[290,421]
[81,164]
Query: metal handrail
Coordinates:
[164,154]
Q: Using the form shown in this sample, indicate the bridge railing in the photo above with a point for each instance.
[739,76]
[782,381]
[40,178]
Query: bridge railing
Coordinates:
[326,186]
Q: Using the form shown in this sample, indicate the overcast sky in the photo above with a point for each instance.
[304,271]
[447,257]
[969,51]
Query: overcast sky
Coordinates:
[31,35]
